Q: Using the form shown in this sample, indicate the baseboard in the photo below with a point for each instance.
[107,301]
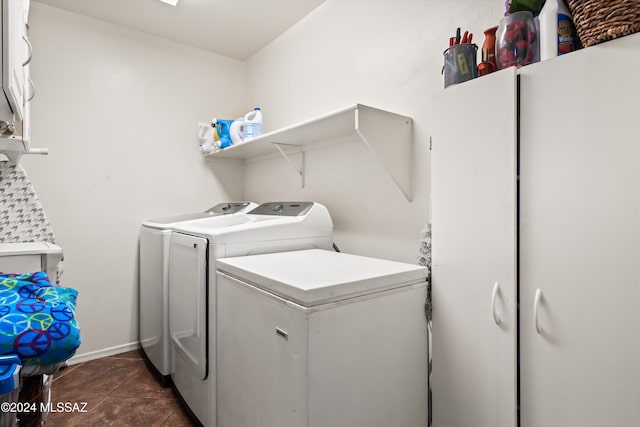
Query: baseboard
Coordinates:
[98,354]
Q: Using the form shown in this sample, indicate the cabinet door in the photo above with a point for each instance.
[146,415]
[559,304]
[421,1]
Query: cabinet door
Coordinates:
[15,53]
[580,228]
[262,358]
[474,253]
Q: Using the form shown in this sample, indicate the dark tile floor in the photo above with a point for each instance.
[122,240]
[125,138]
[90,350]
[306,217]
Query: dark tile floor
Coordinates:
[118,390]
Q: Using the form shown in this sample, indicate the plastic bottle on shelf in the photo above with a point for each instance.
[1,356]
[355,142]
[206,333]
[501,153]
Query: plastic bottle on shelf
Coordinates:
[252,125]
[557,30]
[235,131]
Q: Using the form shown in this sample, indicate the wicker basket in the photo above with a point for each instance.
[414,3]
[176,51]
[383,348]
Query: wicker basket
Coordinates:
[600,20]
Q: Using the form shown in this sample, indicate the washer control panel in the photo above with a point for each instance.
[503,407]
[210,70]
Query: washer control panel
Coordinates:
[283,208]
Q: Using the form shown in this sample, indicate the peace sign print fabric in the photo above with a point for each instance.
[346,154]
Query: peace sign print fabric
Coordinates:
[37,319]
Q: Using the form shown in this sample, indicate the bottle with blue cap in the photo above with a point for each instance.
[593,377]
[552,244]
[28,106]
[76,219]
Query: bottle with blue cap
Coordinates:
[252,125]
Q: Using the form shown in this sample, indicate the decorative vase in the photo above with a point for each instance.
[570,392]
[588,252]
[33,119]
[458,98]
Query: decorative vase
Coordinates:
[489,48]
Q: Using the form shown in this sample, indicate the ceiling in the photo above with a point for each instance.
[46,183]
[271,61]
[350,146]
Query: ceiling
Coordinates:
[234,28]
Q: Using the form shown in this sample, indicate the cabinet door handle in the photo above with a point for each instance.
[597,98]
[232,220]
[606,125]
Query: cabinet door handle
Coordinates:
[494,295]
[284,334]
[30,55]
[33,89]
[536,308]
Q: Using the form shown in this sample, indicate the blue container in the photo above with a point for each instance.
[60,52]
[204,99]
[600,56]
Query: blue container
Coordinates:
[9,386]
[9,373]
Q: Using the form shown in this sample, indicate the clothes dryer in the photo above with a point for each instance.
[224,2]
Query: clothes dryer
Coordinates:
[195,248]
[153,270]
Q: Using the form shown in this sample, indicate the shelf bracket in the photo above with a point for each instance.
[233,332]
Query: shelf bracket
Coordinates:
[298,168]
[390,138]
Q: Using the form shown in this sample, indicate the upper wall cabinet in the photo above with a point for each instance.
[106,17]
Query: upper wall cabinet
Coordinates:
[16,83]
[16,54]
[389,137]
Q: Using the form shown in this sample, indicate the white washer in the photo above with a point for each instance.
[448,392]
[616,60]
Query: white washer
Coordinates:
[153,267]
[271,227]
[321,339]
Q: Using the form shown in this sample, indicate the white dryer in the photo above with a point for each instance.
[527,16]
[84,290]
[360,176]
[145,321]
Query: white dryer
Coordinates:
[271,227]
[153,270]
[321,339]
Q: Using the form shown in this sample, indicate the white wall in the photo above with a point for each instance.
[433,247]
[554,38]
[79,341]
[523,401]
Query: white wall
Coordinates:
[118,111]
[382,53]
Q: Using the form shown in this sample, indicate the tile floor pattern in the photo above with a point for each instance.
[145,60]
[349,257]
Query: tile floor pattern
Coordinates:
[119,391]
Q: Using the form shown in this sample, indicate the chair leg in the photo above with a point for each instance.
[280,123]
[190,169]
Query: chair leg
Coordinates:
[31,392]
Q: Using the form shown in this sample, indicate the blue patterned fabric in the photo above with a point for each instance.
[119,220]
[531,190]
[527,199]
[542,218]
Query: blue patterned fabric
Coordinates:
[37,319]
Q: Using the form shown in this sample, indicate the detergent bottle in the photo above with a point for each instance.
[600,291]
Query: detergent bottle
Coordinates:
[252,125]
[557,30]
[208,137]
[235,131]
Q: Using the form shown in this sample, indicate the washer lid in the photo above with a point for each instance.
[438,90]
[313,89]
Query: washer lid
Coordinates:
[313,277]
[226,208]
[283,208]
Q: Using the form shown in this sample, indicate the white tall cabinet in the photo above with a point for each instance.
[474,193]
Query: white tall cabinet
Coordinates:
[536,261]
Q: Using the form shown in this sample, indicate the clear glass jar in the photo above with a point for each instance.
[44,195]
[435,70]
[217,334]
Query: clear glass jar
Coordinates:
[516,41]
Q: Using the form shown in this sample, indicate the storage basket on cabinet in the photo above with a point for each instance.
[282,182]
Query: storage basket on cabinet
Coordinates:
[600,20]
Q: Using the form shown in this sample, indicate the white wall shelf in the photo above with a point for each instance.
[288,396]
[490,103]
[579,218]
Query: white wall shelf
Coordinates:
[14,147]
[389,137]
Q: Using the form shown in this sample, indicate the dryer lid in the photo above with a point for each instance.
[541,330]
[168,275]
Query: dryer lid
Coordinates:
[313,277]
[227,208]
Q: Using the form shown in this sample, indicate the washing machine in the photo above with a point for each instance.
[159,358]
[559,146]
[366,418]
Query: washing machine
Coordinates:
[195,248]
[321,339]
[153,270]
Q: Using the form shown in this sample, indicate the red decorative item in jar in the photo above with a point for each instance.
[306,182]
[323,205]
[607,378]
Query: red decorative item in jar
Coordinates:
[516,41]
[489,46]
